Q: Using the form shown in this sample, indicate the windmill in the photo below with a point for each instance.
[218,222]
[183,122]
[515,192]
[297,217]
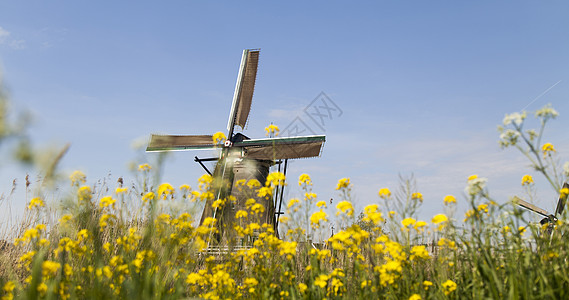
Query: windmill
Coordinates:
[549,218]
[242,158]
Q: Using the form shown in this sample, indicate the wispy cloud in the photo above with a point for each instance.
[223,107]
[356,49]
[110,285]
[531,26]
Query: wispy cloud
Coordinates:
[7,40]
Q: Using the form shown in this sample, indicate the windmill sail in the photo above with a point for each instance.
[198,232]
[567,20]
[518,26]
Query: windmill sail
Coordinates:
[180,142]
[531,207]
[243,96]
[283,148]
[561,202]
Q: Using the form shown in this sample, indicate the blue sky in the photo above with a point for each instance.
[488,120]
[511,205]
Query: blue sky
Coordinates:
[422,85]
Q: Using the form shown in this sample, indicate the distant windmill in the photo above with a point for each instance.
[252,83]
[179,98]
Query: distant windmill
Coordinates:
[242,158]
[549,218]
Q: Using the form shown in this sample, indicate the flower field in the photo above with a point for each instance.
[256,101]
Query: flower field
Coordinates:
[145,241]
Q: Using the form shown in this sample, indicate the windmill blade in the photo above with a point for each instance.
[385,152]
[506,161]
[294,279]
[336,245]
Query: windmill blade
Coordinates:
[561,202]
[180,142]
[283,148]
[243,96]
[530,206]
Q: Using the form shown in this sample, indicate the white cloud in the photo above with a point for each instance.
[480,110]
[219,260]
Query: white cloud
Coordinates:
[5,39]
[4,34]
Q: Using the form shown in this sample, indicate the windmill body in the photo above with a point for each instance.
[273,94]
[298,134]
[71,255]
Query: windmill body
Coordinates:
[242,159]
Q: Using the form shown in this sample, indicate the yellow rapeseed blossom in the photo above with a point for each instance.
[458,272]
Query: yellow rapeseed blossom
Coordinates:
[317,217]
[292,202]
[107,201]
[527,179]
[384,193]
[272,129]
[148,196]
[408,222]
[77,177]
[415,297]
[372,214]
[343,183]
[165,190]
[449,286]
[36,202]
[547,148]
[449,199]
[563,192]
[322,280]
[304,178]
[417,196]
[440,218]
[144,167]
[240,214]
[345,207]
[275,178]
[219,138]
[84,193]
[419,252]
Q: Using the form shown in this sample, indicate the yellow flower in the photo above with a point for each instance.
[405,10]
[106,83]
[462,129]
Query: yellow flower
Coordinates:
[302,287]
[343,183]
[144,167]
[275,178]
[472,177]
[384,193]
[321,204]
[84,193]
[449,199]
[165,190]
[345,207]
[121,190]
[483,208]
[439,219]
[42,289]
[219,138]
[417,196]
[527,179]
[427,284]
[322,280]
[563,192]
[148,196]
[304,178]
[185,187]
[449,286]
[9,286]
[547,148]
[415,297]
[50,268]
[272,129]
[420,224]
[253,183]
[241,214]
[292,202]
[264,192]
[419,252]
[77,177]
[106,201]
[317,217]
[36,202]
[372,214]
[408,222]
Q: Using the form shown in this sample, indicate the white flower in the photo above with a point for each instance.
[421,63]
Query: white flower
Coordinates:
[515,118]
[475,186]
[547,112]
[509,137]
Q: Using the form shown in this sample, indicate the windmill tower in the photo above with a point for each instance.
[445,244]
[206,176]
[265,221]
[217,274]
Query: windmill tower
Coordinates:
[242,158]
